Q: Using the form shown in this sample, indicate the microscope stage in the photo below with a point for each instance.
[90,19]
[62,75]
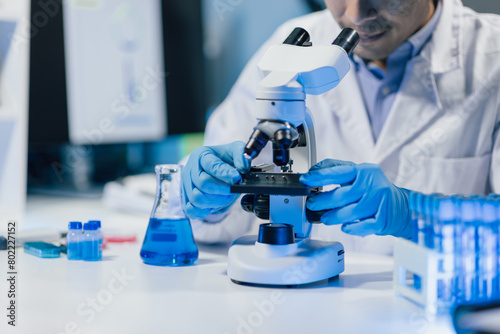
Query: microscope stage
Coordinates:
[264,183]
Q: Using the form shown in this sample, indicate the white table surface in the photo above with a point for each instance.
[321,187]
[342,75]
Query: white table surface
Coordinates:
[122,295]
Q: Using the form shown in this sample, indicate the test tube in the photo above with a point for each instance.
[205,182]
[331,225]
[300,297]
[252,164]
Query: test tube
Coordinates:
[468,288]
[457,201]
[413,200]
[420,200]
[429,218]
[444,244]
[496,204]
[487,235]
[436,224]
[417,228]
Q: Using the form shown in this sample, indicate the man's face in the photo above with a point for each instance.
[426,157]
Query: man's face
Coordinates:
[382,25]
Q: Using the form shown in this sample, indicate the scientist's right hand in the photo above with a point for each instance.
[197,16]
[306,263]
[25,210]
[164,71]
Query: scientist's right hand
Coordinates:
[207,177]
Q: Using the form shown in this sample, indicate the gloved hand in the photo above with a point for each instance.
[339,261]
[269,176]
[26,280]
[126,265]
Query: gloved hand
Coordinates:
[207,176]
[365,203]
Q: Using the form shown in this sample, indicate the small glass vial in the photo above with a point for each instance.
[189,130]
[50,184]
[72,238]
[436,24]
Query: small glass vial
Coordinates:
[91,242]
[99,235]
[169,238]
[74,240]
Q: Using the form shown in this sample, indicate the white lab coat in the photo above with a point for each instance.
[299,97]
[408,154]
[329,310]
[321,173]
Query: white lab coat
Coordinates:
[441,135]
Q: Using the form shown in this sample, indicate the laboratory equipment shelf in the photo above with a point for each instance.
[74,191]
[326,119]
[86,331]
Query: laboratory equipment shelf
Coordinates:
[122,295]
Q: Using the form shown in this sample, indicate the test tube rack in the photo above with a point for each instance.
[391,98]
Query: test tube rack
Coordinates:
[453,257]
[413,262]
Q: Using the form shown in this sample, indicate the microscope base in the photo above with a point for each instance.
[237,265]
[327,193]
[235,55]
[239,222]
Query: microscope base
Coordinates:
[302,262]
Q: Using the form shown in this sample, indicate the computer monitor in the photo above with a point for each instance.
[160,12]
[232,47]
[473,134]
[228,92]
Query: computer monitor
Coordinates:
[13,112]
[115,71]
[106,73]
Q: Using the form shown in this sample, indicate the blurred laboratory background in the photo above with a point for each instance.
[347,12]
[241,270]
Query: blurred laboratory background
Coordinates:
[118,86]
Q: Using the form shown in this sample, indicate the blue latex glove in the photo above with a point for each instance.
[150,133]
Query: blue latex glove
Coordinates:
[366,203]
[207,177]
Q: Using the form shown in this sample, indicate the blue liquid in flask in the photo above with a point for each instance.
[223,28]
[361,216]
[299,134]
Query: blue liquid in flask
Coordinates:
[169,242]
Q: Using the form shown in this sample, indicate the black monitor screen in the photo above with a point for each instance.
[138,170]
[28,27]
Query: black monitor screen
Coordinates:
[114,71]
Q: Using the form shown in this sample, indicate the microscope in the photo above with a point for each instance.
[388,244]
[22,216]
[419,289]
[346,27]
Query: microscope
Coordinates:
[283,254]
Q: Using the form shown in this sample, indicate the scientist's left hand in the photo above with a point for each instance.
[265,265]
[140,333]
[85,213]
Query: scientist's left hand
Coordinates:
[365,203]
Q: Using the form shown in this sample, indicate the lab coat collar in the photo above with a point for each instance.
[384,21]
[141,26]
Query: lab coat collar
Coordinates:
[418,101]
[415,106]
[446,40]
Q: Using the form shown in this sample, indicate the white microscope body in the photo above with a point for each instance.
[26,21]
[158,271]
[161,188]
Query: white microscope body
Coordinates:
[283,253]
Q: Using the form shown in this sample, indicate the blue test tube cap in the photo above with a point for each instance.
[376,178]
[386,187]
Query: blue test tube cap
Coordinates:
[75,225]
[469,210]
[445,208]
[90,226]
[489,211]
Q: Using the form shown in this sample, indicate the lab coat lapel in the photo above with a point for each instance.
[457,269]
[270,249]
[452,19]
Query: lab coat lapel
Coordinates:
[416,105]
[418,101]
[347,103]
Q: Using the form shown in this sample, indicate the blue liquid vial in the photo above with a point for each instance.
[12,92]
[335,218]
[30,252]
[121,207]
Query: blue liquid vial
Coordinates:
[91,243]
[99,235]
[74,241]
[169,238]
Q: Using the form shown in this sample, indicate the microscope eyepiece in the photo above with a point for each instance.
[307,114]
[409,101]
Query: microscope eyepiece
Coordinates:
[348,39]
[298,36]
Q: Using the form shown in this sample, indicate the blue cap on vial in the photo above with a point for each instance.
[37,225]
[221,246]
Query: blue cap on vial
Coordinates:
[90,226]
[97,222]
[75,225]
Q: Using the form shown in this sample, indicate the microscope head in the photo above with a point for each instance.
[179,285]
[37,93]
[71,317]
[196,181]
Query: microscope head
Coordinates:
[292,70]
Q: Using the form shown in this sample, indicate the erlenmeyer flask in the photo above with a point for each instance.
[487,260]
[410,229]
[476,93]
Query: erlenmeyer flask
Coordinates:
[169,239]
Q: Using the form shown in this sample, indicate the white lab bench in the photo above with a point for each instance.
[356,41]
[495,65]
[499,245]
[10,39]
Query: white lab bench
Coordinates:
[120,294]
